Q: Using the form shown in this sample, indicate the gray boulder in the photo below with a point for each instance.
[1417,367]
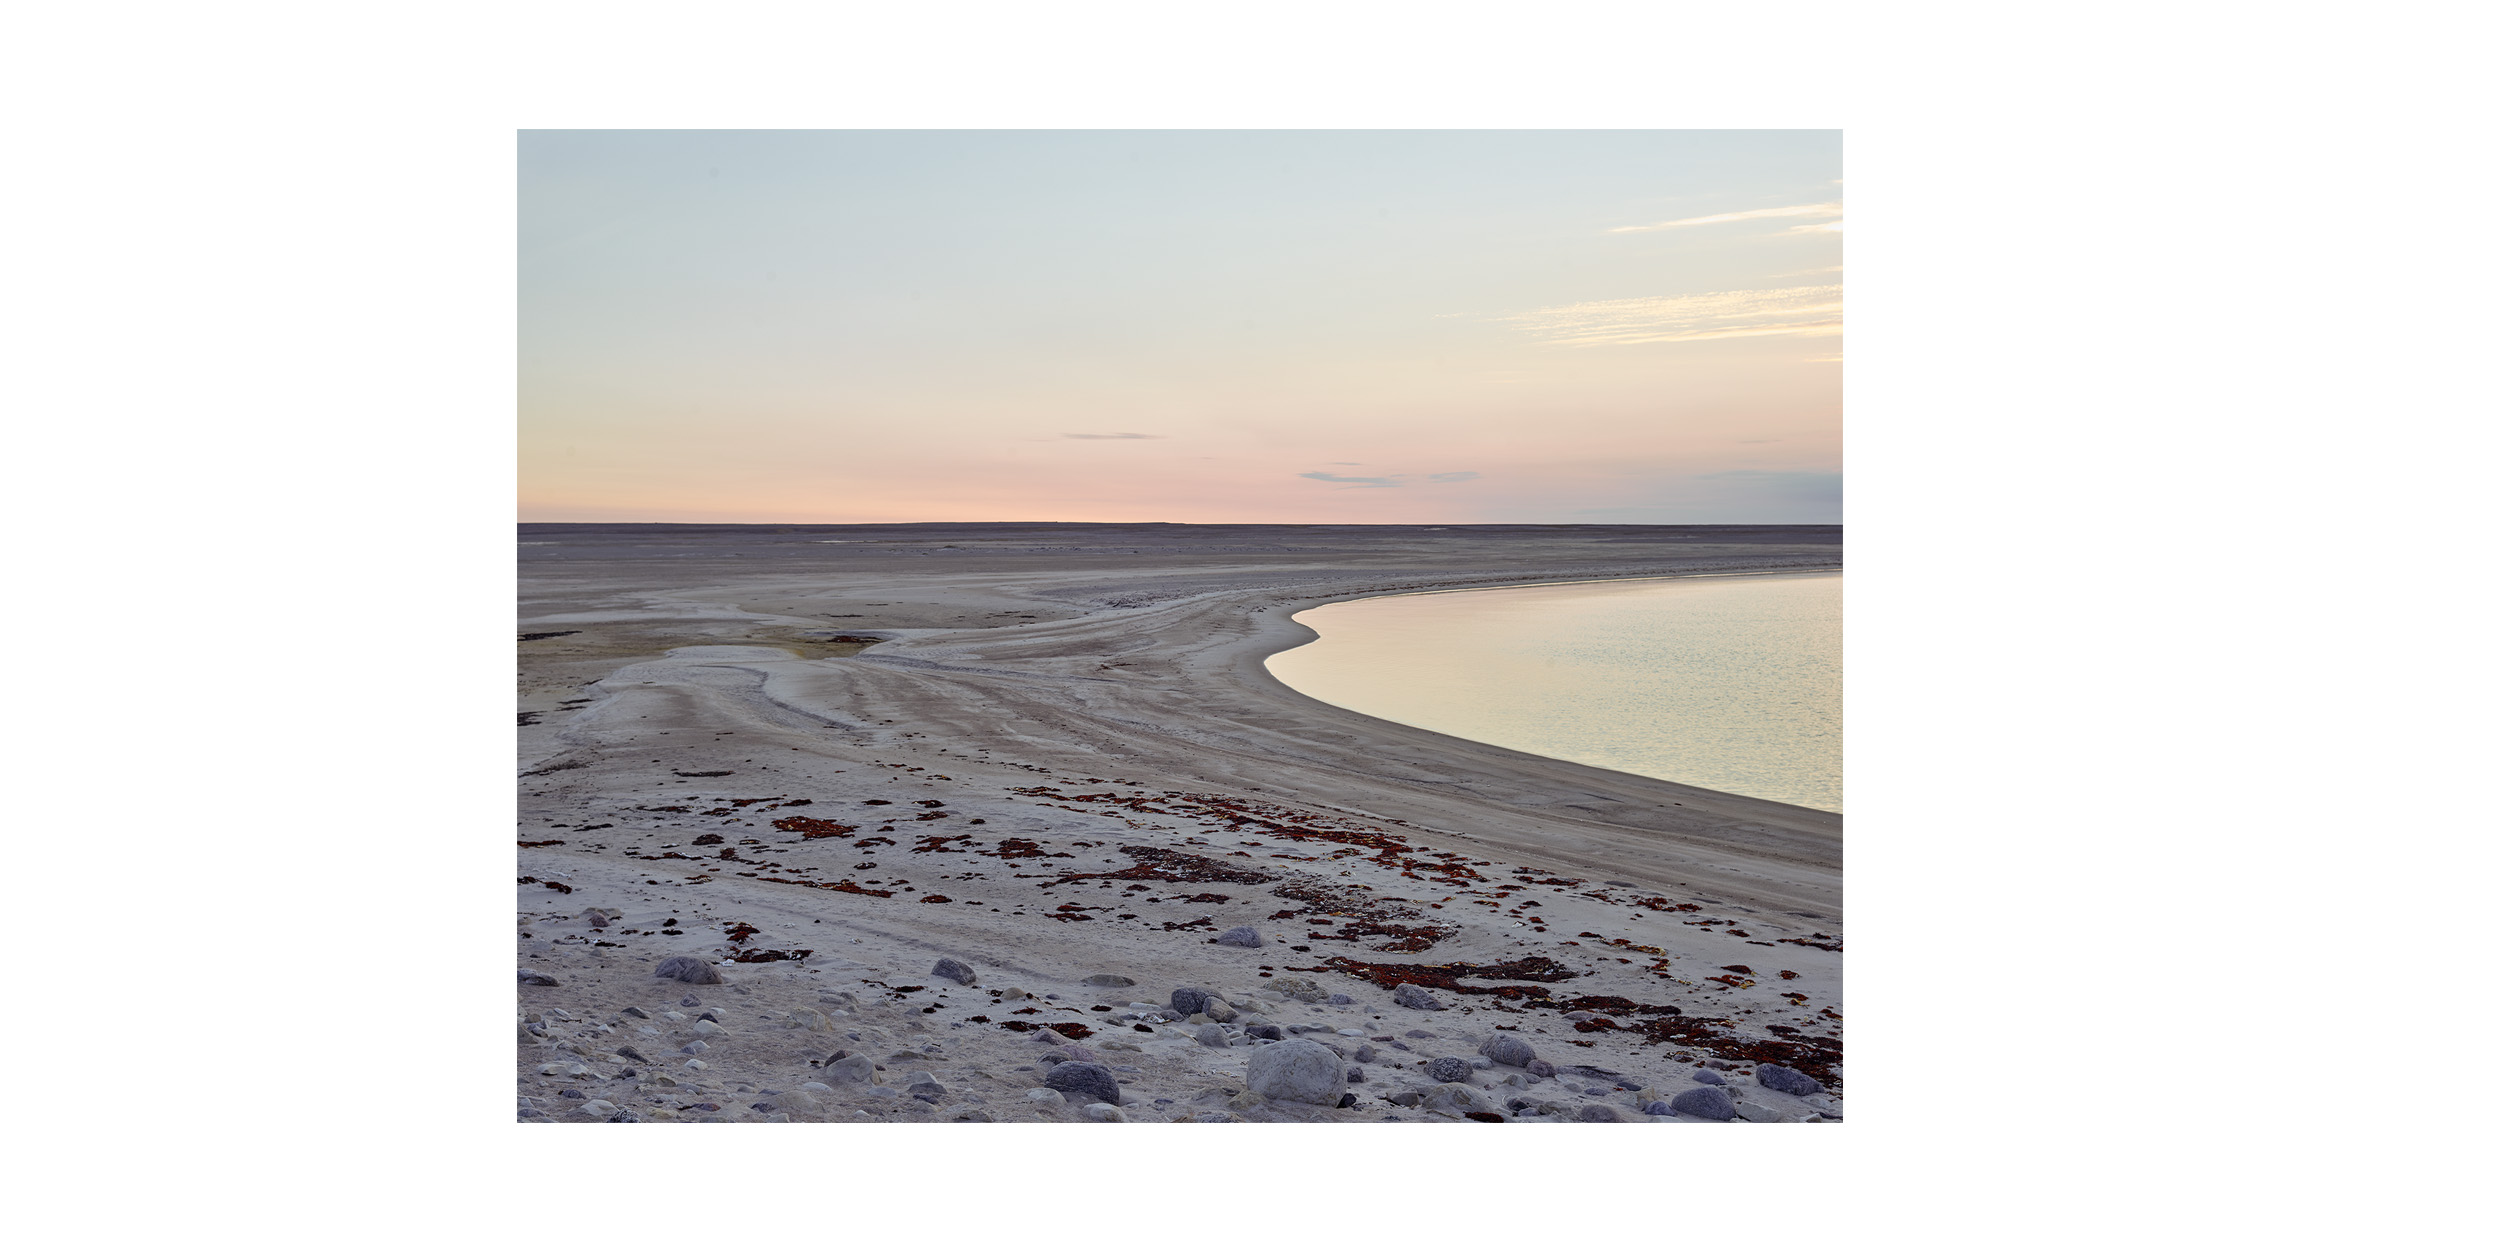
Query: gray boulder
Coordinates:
[1787,1080]
[1084,1083]
[532,976]
[1538,1067]
[1449,1069]
[1411,995]
[1704,1102]
[851,1070]
[1707,1077]
[1189,1000]
[1267,1032]
[1354,1075]
[955,970]
[1365,1054]
[1242,935]
[1212,1035]
[688,969]
[1300,1071]
[1600,1113]
[1658,1107]
[1504,1048]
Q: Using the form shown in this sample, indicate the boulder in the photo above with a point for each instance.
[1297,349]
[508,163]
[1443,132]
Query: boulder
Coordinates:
[688,969]
[1241,935]
[1090,1082]
[1539,1068]
[1599,1113]
[1411,995]
[955,970]
[1299,1071]
[852,1069]
[532,976]
[1189,1000]
[1456,1099]
[1707,1077]
[1267,1032]
[1704,1102]
[1505,1048]
[1212,1035]
[1448,1069]
[1109,981]
[1787,1080]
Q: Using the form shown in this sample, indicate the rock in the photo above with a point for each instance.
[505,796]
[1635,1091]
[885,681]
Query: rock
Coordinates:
[1297,1071]
[1412,995]
[532,976]
[1241,935]
[695,1047]
[1045,1098]
[1267,1031]
[1353,1076]
[1704,1102]
[598,1107]
[1504,1048]
[1212,1035]
[955,970]
[707,1029]
[808,1018]
[1365,1054]
[1340,1000]
[1219,1011]
[1456,1099]
[1656,1108]
[852,1069]
[1105,1113]
[1707,1077]
[1300,989]
[1756,1113]
[688,969]
[1109,981]
[929,1092]
[1448,1069]
[697,1064]
[1049,1037]
[1787,1080]
[966,1114]
[638,1013]
[1081,1054]
[1599,1113]
[1190,1000]
[1091,1081]
[1540,1068]
[1012,993]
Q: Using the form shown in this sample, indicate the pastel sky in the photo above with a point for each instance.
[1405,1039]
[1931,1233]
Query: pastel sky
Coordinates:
[1296,326]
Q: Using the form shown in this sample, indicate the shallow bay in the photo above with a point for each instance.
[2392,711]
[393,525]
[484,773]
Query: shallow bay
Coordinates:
[1728,683]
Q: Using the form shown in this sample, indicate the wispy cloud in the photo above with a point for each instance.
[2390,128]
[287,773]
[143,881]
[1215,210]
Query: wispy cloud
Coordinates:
[1806,310]
[1394,479]
[1751,214]
[1110,436]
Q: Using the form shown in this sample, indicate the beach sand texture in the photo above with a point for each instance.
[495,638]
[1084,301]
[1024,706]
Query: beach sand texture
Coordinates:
[1052,753]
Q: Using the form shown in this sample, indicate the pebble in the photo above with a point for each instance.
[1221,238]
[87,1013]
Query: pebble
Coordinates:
[1212,1035]
[1786,1080]
[629,1052]
[1448,1069]
[955,970]
[600,1107]
[1707,1077]
[1091,1080]
[532,976]
[695,1047]
[1242,935]
[1300,1071]
[1412,995]
[697,1064]
[1540,1068]
[1756,1113]
[1105,1113]
[1704,1102]
[853,1069]
[1599,1113]
[1341,1000]
[1354,1075]
[1267,1031]
[1047,1097]
[638,1013]
[1419,1033]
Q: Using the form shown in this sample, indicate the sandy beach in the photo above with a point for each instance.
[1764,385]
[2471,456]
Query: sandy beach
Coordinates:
[834,756]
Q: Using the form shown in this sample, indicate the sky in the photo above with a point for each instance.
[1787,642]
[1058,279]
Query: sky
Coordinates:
[1328,327]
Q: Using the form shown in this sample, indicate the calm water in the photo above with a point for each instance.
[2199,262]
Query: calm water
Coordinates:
[1729,683]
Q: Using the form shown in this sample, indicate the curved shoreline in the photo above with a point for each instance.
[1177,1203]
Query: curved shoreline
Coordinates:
[1316,637]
